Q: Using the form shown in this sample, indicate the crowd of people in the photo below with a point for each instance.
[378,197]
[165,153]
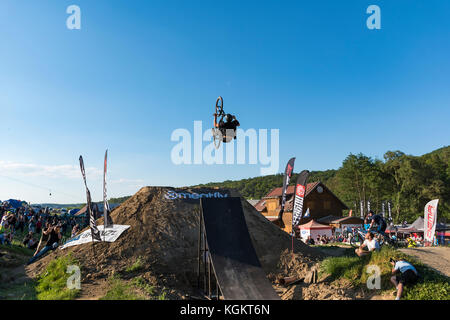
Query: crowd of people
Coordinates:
[320,239]
[37,230]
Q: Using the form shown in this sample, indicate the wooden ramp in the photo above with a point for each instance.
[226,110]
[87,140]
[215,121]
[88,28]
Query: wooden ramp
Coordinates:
[233,257]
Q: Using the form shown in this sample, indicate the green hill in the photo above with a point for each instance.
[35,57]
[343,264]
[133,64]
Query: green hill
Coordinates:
[409,182]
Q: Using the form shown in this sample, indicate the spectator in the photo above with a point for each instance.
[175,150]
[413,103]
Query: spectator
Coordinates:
[21,223]
[404,273]
[5,218]
[54,236]
[75,230]
[32,225]
[29,241]
[370,243]
[39,225]
[366,224]
[5,233]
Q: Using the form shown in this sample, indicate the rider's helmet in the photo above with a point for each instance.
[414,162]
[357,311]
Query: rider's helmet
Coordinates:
[229,117]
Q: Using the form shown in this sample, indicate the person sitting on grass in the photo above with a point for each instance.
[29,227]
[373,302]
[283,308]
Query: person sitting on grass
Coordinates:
[5,233]
[29,241]
[75,230]
[404,273]
[370,243]
[54,236]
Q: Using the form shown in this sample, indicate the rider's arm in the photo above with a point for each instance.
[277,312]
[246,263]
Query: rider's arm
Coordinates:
[215,120]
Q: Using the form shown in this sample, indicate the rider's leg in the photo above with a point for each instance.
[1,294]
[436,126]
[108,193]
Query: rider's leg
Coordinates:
[399,291]
[360,252]
[394,281]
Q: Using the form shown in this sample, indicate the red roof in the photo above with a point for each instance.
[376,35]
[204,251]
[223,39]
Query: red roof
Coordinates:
[277,192]
[314,225]
[260,205]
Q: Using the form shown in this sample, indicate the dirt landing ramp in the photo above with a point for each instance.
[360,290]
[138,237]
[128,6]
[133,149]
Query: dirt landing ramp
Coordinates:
[163,235]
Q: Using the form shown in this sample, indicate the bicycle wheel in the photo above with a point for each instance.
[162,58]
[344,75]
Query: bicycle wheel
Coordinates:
[219,107]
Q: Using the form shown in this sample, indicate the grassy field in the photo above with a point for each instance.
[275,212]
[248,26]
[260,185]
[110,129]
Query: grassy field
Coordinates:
[431,285]
[135,289]
[52,283]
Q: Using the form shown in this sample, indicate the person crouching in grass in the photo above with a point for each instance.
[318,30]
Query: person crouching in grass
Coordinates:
[370,243]
[404,273]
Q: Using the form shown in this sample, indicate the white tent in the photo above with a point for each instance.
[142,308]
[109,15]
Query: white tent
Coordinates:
[314,229]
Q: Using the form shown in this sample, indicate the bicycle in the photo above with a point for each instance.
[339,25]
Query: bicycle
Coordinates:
[357,237]
[216,133]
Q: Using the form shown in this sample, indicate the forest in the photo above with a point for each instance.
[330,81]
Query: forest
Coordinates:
[408,182]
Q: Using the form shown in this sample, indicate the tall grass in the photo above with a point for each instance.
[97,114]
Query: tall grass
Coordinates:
[52,283]
[136,266]
[120,290]
[136,289]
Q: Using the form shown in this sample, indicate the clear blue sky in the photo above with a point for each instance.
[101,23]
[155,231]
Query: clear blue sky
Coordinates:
[137,70]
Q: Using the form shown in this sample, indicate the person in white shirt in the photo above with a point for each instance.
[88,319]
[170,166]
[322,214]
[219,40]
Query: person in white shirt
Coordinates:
[370,243]
[404,273]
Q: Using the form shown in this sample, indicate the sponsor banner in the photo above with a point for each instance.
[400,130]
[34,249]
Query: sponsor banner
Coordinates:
[361,208]
[95,233]
[186,195]
[389,211]
[430,220]
[106,210]
[112,234]
[300,190]
[287,177]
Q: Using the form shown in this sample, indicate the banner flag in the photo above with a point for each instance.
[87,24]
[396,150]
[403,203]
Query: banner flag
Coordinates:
[368,206]
[95,233]
[287,176]
[382,209]
[389,211]
[109,235]
[106,210]
[430,220]
[361,208]
[300,192]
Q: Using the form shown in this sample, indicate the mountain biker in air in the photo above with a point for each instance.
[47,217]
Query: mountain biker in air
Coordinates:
[379,220]
[227,128]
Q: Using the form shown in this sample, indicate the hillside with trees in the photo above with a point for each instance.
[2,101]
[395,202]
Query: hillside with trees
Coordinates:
[409,182]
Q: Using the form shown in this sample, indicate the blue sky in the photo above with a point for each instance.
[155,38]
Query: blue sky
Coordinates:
[138,70]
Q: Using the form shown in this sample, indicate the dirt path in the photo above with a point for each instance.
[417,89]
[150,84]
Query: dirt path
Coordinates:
[437,258]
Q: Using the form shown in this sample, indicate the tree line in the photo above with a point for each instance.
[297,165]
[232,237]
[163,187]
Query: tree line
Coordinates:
[407,181]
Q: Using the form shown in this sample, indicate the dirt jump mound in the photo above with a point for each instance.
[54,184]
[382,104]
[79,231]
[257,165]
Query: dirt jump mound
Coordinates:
[163,236]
